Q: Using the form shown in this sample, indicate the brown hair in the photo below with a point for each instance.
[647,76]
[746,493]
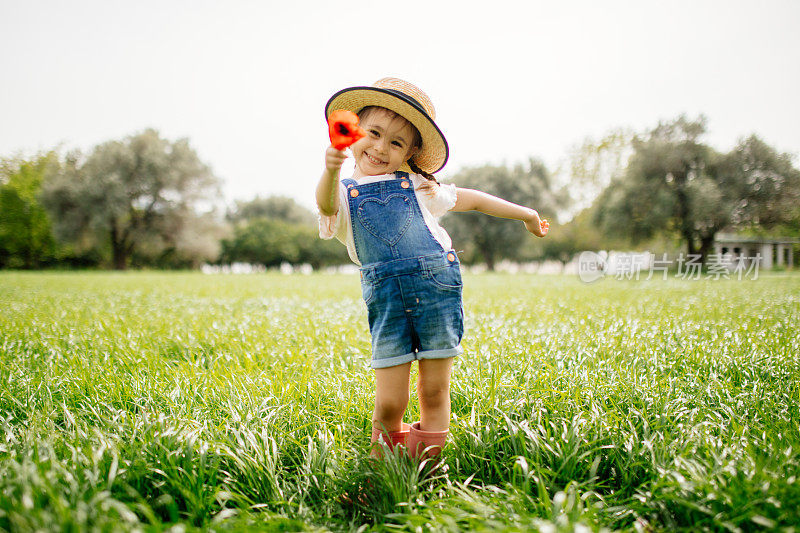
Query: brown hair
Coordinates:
[416,142]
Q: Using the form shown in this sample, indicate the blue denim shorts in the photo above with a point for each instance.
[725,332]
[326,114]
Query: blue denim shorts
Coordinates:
[415,308]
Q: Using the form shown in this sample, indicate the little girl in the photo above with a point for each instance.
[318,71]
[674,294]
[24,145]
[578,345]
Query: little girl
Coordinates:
[386,215]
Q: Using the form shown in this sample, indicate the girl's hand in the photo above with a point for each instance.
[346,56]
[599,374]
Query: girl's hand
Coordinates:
[334,159]
[536,225]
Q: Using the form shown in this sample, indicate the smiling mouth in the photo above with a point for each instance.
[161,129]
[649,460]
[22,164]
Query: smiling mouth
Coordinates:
[373,160]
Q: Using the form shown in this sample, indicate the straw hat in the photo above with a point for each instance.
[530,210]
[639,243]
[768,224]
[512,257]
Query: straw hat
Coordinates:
[407,101]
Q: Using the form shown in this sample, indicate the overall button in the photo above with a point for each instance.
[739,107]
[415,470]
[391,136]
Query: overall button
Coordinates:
[353,192]
[451,256]
[404,184]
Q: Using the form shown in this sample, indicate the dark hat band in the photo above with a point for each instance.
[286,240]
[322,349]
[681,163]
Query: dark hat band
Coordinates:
[410,99]
[394,92]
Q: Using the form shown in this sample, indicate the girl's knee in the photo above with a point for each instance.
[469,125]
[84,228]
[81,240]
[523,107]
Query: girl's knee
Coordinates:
[433,395]
[391,407]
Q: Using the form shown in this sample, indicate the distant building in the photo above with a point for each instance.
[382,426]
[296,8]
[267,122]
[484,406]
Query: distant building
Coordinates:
[773,251]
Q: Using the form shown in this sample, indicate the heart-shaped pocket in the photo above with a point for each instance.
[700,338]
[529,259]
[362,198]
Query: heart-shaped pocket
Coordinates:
[386,219]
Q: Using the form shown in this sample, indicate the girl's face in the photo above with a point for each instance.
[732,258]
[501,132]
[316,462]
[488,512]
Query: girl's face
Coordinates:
[388,144]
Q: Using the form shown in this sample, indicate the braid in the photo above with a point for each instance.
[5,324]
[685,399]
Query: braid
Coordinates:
[421,172]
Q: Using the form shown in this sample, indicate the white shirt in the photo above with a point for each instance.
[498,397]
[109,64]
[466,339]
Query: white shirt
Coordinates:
[433,203]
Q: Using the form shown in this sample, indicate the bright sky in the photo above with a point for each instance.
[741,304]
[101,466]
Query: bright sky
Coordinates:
[246,81]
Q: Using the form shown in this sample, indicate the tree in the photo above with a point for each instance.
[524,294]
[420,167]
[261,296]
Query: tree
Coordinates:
[594,164]
[262,241]
[675,184]
[320,252]
[26,237]
[579,234]
[141,195]
[273,230]
[272,207]
[270,242]
[490,238]
[762,185]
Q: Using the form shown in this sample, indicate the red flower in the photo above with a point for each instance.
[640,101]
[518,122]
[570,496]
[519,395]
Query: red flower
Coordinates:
[344,129]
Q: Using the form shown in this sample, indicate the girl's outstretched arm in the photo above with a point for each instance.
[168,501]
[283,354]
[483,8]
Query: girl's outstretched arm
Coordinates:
[472,200]
[328,186]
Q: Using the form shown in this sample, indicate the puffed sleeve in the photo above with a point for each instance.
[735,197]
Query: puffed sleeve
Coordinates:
[443,199]
[331,226]
[328,225]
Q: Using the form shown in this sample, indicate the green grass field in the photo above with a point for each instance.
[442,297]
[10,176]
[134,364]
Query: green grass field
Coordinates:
[144,401]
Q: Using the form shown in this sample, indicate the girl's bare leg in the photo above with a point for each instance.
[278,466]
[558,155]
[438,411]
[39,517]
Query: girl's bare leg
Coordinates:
[391,396]
[433,388]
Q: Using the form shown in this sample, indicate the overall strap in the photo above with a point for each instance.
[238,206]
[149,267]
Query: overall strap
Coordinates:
[350,182]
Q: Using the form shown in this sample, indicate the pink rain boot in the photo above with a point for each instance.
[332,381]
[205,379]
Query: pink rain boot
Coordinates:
[395,438]
[425,444]
[399,438]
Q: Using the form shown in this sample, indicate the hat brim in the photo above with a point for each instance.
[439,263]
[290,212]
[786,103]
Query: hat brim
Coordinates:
[434,152]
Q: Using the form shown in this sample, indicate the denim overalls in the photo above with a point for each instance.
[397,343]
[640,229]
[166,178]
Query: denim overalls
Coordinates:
[411,285]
